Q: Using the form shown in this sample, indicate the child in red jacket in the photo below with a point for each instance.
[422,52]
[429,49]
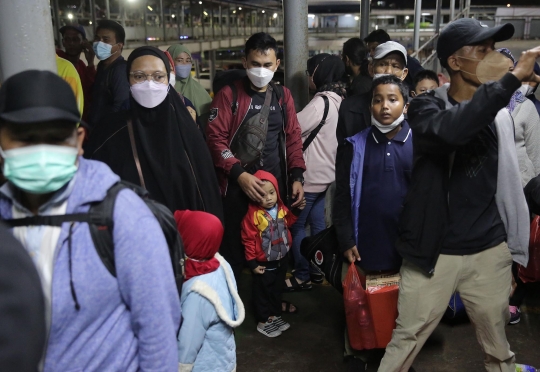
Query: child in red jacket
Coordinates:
[267,240]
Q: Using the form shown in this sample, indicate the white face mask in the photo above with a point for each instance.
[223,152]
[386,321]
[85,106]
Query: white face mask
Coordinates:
[376,76]
[387,128]
[172,79]
[149,94]
[260,76]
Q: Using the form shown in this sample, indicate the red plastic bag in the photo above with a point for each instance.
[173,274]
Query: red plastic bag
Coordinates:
[531,273]
[358,315]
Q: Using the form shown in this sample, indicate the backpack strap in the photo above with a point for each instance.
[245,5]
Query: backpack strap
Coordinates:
[56,220]
[135,152]
[99,219]
[234,104]
[315,131]
[278,88]
[101,230]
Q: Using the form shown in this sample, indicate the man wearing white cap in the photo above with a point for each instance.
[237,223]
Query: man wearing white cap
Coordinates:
[389,58]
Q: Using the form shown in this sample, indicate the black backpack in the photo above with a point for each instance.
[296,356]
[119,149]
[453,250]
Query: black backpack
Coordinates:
[100,220]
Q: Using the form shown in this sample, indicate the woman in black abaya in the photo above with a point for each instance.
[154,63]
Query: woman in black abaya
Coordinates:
[176,165]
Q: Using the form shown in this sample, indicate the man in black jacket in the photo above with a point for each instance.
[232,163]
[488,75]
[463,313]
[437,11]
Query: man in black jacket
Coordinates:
[465,212]
[22,308]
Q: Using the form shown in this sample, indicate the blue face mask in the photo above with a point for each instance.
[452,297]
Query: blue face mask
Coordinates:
[102,50]
[40,169]
[182,71]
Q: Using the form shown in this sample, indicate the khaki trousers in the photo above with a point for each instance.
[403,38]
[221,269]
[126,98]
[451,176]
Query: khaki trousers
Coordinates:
[483,282]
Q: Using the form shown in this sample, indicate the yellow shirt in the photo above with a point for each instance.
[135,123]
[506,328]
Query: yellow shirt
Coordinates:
[67,71]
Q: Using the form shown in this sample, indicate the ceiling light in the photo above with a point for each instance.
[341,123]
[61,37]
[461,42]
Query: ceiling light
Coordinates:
[150,8]
[275,15]
[70,16]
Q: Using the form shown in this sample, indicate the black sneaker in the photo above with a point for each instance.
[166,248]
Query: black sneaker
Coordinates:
[316,278]
[281,324]
[269,329]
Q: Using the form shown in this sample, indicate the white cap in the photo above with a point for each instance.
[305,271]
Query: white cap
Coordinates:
[384,49]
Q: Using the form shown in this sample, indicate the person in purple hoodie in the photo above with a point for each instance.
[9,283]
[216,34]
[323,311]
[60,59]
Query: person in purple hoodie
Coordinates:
[95,321]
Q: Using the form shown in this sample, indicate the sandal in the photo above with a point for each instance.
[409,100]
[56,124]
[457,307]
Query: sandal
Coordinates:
[295,286]
[288,306]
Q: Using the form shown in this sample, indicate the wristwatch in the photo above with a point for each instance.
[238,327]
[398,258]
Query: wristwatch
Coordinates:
[299,179]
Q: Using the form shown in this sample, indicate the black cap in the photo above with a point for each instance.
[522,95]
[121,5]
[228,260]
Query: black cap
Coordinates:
[36,96]
[77,28]
[468,31]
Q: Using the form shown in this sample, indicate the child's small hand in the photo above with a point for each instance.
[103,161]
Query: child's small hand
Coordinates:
[259,270]
[302,204]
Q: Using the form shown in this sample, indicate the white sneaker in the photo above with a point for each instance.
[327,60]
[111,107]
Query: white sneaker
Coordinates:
[269,329]
[281,324]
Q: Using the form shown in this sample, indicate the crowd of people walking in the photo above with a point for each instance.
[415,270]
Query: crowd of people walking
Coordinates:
[134,202]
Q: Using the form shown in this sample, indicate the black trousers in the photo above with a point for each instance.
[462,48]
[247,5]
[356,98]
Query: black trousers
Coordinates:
[235,207]
[268,289]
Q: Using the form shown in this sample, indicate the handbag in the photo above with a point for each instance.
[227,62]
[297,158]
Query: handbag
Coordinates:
[323,253]
[248,142]
[531,273]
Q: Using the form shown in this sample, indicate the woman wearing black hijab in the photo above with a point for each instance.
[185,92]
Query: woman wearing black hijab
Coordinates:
[172,154]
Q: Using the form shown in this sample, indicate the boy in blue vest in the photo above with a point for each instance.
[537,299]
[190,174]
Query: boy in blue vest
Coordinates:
[373,178]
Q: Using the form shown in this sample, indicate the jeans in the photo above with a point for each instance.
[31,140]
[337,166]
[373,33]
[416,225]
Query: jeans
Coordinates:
[313,214]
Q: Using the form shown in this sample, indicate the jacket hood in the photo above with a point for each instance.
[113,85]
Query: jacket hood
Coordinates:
[265,176]
[217,299]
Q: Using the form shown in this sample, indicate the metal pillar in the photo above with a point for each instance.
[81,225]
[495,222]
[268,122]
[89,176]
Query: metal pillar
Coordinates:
[364,19]
[212,20]
[228,21]
[452,9]
[417,20]
[296,49]
[145,16]
[57,22]
[202,22]
[467,8]
[123,10]
[220,22]
[183,20]
[108,10]
[212,57]
[18,21]
[438,16]
[162,14]
[93,13]
[191,18]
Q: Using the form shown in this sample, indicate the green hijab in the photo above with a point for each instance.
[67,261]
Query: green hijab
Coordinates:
[190,88]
